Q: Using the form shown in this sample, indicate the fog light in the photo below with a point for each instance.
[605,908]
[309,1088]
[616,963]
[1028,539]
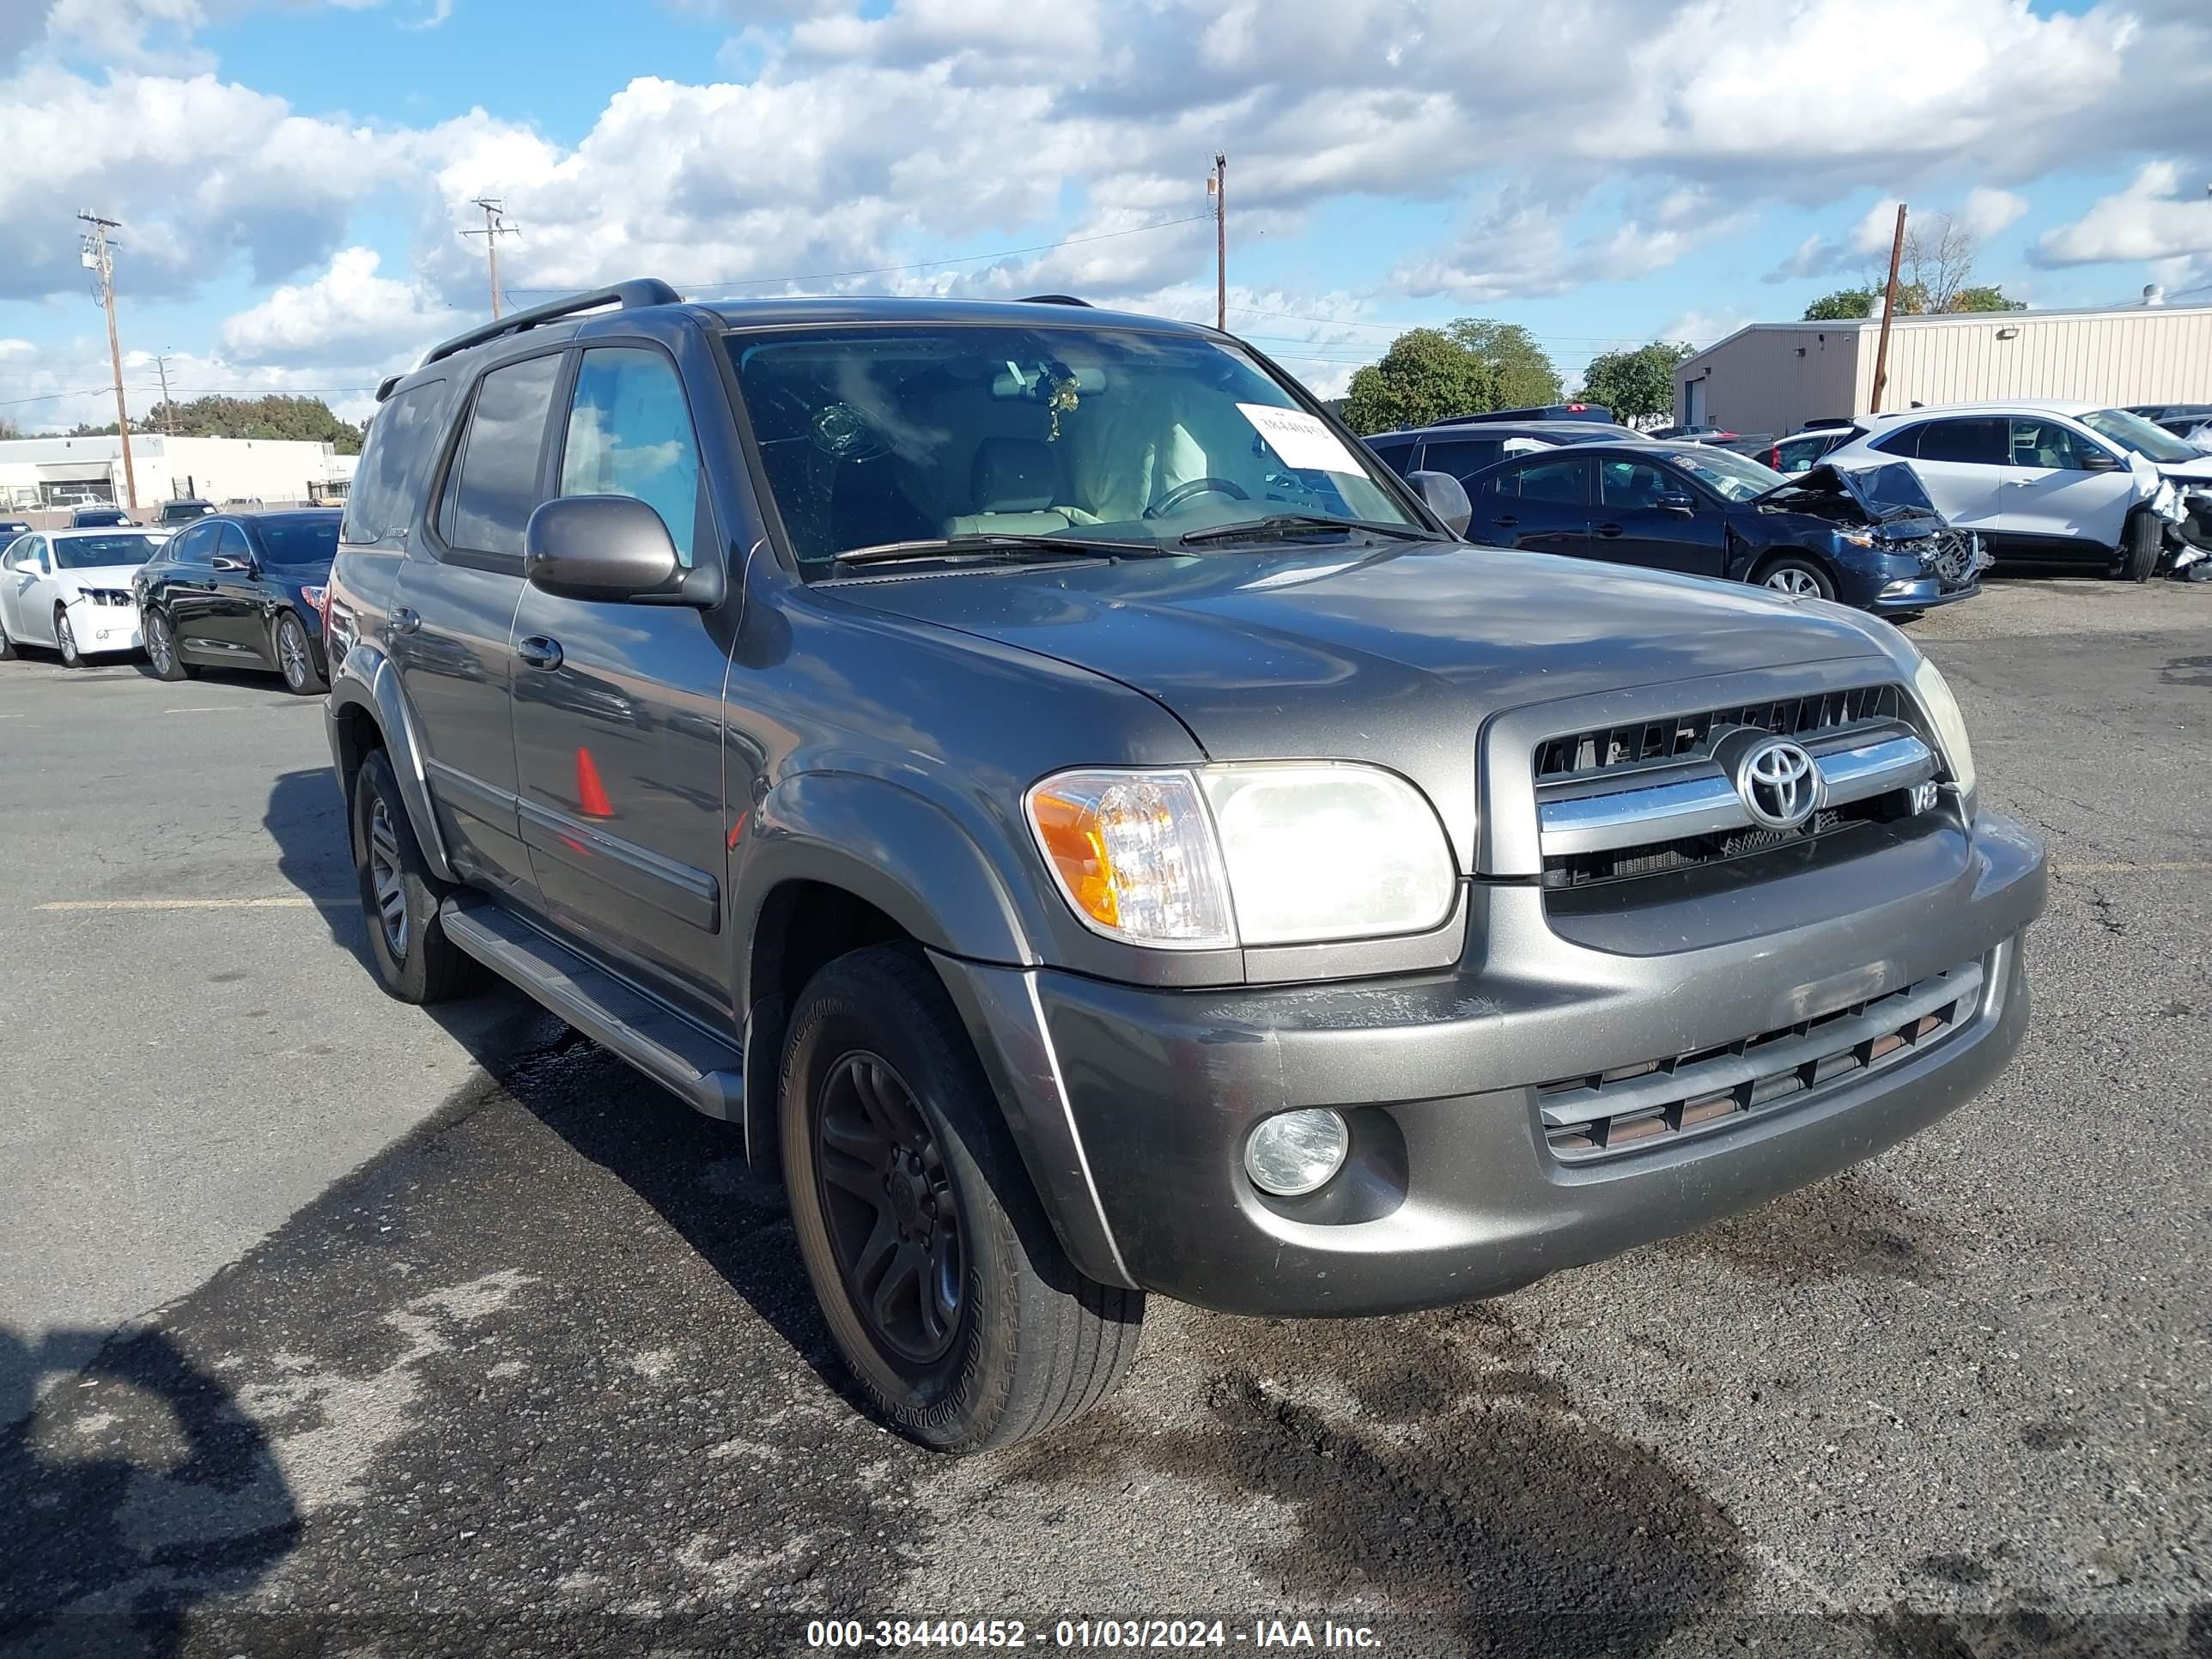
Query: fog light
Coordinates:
[1292,1153]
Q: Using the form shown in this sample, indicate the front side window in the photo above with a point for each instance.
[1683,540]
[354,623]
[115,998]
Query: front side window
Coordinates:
[494,485]
[2047,444]
[630,433]
[872,435]
[1635,483]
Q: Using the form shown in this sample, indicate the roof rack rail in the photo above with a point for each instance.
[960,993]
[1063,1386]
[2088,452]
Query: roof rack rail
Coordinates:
[1054,300]
[644,291]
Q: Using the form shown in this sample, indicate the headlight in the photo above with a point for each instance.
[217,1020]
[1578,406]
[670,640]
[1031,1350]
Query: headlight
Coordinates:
[1856,537]
[1935,694]
[1264,854]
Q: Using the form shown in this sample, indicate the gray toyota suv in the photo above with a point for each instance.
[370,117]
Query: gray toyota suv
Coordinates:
[1097,831]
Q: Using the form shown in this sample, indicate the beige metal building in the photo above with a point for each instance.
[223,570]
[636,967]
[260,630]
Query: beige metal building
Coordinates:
[1774,377]
[63,472]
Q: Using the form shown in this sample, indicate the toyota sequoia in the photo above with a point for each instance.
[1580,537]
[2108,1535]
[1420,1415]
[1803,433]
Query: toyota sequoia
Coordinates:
[1097,832]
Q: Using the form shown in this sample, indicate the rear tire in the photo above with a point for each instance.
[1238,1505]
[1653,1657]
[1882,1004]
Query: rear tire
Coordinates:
[414,960]
[939,1274]
[295,659]
[2140,547]
[161,652]
[1798,576]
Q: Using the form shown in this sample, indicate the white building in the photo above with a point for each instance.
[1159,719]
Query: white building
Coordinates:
[36,472]
[1774,377]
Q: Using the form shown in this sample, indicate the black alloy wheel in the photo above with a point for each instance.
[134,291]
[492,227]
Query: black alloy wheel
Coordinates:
[893,1214]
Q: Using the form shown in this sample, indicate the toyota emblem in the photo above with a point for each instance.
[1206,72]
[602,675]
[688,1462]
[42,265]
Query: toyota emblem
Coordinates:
[1779,784]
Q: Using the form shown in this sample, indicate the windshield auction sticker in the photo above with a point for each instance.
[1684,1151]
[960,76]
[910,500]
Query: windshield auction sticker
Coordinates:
[1300,439]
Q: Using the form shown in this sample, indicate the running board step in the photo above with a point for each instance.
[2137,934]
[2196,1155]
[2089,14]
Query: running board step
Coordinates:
[704,1069]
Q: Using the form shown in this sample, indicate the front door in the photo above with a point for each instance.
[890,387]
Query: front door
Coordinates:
[1648,517]
[618,707]
[27,592]
[453,628]
[2054,501]
[231,623]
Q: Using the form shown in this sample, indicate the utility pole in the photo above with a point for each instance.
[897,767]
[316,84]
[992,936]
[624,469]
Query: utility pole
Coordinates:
[169,409]
[1889,313]
[1217,186]
[494,228]
[100,258]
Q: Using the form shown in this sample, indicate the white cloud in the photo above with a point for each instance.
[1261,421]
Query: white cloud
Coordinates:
[347,314]
[2163,214]
[1988,211]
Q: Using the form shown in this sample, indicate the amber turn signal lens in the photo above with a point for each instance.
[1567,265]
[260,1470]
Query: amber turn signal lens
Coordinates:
[1135,854]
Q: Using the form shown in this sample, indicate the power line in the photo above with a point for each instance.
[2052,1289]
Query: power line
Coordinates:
[916,264]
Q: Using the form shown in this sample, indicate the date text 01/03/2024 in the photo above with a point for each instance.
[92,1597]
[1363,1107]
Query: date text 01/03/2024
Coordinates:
[897,1634]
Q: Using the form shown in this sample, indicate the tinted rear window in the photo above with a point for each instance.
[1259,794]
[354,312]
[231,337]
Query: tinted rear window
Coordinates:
[298,541]
[1977,442]
[1460,456]
[395,463]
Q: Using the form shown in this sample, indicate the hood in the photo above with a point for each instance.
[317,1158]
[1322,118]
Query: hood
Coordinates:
[1366,653]
[2196,473]
[1889,496]
[97,575]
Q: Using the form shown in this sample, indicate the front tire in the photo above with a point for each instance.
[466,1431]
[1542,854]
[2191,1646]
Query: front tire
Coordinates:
[8,651]
[161,652]
[940,1277]
[2141,545]
[1799,577]
[414,960]
[65,639]
[295,661]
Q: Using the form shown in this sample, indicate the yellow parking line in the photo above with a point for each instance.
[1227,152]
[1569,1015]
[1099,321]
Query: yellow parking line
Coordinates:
[290,901]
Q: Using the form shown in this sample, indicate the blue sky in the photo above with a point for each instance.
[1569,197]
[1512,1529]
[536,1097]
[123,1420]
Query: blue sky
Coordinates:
[294,174]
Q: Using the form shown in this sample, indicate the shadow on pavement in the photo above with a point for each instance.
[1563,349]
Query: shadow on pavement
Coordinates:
[106,1545]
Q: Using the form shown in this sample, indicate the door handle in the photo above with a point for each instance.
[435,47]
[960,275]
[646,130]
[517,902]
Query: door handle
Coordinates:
[539,652]
[405,621]
[1507,523]
[1608,530]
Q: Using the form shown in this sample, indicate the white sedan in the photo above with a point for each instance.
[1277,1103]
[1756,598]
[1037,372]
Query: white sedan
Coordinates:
[70,590]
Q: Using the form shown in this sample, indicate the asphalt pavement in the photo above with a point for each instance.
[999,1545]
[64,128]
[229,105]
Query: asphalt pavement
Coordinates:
[327,1326]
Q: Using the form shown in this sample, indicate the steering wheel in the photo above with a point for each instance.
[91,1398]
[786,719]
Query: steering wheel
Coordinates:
[1190,491]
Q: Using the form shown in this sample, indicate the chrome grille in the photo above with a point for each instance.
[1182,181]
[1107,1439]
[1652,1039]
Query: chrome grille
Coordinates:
[1578,755]
[1661,1102]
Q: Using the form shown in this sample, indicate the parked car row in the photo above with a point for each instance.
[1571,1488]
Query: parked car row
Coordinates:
[241,590]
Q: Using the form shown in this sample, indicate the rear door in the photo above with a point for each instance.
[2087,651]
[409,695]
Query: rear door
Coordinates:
[1542,505]
[1648,516]
[454,625]
[618,707]
[2054,499]
[1960,461]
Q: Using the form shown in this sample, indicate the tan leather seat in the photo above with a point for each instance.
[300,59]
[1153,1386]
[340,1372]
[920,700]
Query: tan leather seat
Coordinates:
[1014,484]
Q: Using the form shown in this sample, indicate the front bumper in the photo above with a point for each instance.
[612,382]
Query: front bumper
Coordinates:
[104,630]
[1132,1105]
[1911,597]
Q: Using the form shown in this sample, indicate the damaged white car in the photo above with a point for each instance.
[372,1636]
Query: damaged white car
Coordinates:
[70,590]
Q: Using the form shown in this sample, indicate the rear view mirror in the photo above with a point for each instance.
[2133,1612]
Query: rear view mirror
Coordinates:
[1445,497]
[610,547]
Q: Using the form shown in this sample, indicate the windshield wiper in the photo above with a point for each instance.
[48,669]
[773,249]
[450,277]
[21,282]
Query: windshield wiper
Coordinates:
[1277,524]
[941,547]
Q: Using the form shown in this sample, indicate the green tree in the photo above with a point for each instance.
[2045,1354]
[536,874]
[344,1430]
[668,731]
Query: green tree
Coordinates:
[1912,301]
[1986,298]
[1425,376]
[275,415]
[1468,367]
[8,428]
[1524,376]
[1639,382]
[1842,306]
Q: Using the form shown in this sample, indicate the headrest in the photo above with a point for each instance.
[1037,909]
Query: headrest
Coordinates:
[1013,475]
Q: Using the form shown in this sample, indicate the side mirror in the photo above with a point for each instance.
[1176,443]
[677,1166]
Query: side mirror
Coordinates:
[611,548]
[1445,497]
[232,566]
[25,567]
[2096,460]
[1677,506]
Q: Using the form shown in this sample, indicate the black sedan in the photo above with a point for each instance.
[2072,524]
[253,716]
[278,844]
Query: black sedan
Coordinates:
[1869,538]
[240,590]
